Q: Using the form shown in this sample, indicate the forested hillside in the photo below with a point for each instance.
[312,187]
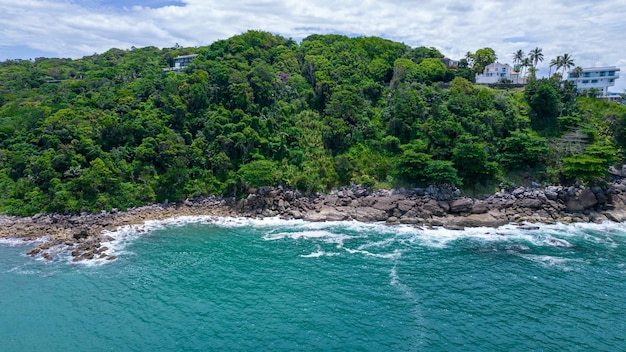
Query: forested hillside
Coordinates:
[115,130]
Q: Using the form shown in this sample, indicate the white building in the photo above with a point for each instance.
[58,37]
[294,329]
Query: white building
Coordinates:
[498,73]
[599,78]
[180,62]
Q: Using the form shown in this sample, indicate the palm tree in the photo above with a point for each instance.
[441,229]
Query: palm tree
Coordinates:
[518,56]
[566,62]
[526,63]
[555,63]
[532,73]
[577,71]
[536,56]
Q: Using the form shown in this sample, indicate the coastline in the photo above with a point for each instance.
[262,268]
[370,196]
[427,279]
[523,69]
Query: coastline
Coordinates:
[83,235]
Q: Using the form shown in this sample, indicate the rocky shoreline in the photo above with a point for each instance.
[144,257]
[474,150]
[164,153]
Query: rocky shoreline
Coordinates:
[84,236]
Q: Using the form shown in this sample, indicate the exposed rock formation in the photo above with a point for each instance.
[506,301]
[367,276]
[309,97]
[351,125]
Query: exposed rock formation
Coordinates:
[83,234]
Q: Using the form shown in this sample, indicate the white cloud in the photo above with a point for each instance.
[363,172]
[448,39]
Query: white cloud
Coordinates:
[589,31]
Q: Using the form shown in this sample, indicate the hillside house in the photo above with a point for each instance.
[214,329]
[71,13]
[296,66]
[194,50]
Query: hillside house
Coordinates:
[499,73]
[180,62]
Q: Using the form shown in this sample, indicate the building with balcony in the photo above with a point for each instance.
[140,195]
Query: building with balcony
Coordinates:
[499,73]
[594,78]
[180,62]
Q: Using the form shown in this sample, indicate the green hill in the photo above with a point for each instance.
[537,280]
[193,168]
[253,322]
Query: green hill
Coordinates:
[116,130]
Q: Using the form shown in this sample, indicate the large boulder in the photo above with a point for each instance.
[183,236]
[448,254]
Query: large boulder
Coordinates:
[586,199]
[530,203]
[476,220]
[368,214]
[405,205]
[461,205]
[480,207]
[387,203]
[325,214]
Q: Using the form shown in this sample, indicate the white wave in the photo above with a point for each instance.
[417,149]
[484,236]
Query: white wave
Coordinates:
[319,253]
[17,242]
[551,261]
[342,232]
[396,254]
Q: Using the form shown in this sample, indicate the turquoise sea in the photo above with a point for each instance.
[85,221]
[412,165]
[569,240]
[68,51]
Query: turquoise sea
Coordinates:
[229,284]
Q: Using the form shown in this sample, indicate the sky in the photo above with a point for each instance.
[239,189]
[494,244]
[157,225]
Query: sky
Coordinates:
[593,32]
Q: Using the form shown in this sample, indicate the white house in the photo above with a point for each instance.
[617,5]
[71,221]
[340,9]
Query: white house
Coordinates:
[180,62]
[599,78]
[497,72]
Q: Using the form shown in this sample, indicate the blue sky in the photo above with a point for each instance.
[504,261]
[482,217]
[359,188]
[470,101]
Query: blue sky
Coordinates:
[592,32]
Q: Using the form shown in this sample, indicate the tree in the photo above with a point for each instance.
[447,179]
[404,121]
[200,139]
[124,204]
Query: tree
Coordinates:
[525,64]
[543,98]
[591,164]
[567,62]
[554,63]
[260,173]
[518,56]
[535,56]
[577,72]
[482,58]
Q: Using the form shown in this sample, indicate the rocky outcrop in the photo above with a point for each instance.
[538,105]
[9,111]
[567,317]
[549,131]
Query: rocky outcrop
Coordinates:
[83,236]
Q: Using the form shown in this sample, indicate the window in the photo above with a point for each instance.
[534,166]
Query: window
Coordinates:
[602,74]
[594,81]
[611,73]
[586,74]
[611,80]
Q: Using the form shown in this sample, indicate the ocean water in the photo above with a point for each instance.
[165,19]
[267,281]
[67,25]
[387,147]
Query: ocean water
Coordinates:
[229,284]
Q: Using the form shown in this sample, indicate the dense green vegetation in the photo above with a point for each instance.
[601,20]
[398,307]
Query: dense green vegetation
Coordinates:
[115,130]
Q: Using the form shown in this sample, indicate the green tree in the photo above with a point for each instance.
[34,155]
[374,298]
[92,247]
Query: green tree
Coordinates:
[536,56]
[482,58]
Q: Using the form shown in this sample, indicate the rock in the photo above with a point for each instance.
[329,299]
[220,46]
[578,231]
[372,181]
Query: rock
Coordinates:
[405,205]
[325,214]
[453,227]
[410,221]
[368,214]
[392,220]
[386,204]
[480,207]
[530,203]
[82,233]
[551,195]
[444,206]
[602,199]
[528,227]
[33,252]
[461,205]
[616,215]
[584,200]
[477,220]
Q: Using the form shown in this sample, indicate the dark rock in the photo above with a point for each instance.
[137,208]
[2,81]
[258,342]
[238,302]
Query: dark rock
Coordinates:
[33,252]
[462,205]
[82,233]
[386,204]
[602,199]
[530,203]
[405,205]
[480,207]
[584,200]
[551,195]
[369,214]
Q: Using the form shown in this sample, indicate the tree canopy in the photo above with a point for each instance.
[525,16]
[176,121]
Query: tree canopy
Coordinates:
[114,130]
